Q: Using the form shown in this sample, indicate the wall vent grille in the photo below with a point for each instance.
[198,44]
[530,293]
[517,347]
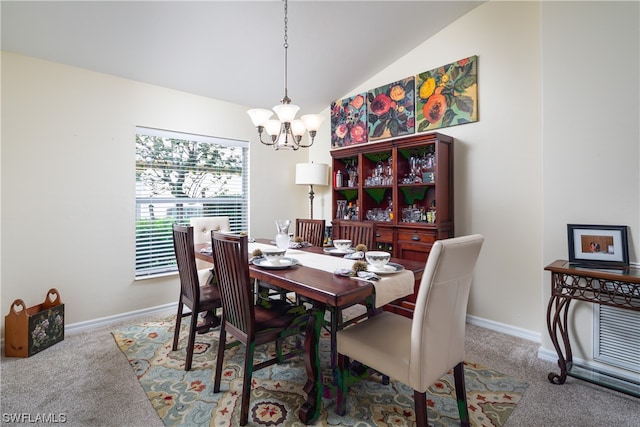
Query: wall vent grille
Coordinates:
[617,337]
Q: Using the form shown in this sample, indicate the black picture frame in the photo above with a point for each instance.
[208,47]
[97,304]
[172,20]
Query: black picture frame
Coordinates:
[598,245]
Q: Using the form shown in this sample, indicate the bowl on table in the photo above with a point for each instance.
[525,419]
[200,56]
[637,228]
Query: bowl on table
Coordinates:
[377,259]
[342,245]
[273,255]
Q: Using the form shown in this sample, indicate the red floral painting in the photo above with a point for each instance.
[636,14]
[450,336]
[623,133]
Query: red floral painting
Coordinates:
[448,95]
[391,109]
[349,121]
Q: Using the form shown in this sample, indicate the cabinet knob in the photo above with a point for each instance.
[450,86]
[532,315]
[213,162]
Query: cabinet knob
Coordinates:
[415,238]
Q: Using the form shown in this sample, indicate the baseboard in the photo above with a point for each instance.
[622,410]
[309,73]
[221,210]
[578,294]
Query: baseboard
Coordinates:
[550,355]
[108,320]
[505,329]
[132,315]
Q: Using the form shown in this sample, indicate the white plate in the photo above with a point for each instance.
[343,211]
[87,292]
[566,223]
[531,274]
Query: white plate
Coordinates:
[336,251]
[389,268]
[285,262]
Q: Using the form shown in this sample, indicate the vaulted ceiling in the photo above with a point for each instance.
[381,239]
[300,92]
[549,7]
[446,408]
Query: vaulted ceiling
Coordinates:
[229,50]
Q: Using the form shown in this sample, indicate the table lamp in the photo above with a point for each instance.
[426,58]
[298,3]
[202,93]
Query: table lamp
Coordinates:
[312,174]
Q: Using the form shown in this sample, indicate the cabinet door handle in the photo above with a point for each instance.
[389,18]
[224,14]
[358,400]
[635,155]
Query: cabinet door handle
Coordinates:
[377,234]
[415,238]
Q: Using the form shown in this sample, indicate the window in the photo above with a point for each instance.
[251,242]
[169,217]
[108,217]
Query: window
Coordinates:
[179,176]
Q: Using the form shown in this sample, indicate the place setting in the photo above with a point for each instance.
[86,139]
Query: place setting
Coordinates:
[378,263]
[273,258]
[341,247]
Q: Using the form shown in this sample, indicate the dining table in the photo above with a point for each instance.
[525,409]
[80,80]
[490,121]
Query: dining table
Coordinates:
[313,278]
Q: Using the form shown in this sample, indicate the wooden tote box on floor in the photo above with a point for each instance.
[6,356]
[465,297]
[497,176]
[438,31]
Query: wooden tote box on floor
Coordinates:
[30,330]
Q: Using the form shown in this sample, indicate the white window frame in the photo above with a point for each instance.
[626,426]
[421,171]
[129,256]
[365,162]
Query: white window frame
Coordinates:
[156,213]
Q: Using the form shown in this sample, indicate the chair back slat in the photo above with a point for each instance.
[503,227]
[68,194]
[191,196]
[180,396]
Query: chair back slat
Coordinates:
[311,230]
[185,258]
[231,261]
[438,326]
[360,232]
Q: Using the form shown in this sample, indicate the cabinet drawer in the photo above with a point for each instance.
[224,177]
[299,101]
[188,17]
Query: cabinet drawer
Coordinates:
[384,235]
[418,236]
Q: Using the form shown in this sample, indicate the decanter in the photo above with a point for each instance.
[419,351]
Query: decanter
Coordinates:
[282,237]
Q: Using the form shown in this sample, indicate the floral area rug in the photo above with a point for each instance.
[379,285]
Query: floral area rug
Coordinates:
[187,399]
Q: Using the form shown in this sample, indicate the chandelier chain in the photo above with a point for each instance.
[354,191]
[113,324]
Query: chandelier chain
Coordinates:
[286,99]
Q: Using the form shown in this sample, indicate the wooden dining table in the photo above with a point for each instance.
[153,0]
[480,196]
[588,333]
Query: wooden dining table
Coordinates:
[326,291]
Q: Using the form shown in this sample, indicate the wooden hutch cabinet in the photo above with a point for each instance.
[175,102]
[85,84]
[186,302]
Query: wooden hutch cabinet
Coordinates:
[404,186]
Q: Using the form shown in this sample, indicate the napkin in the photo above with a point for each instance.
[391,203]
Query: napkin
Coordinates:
[355,255]
[366,275]
[298,245]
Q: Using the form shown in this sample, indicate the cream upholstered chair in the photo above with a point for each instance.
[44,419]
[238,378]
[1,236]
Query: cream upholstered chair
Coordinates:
[202,228]
[419,351]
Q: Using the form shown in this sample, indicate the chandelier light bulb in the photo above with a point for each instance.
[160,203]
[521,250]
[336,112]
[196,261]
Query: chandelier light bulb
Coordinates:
[312,121]
[286,112]
[298,128]
[259,116]
[273,127]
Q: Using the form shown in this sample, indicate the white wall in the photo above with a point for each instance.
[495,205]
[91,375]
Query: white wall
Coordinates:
[591,135]
[497,164]
[68,193]
[557,142]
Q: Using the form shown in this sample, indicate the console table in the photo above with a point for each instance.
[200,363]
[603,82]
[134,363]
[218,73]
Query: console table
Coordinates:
[614,287]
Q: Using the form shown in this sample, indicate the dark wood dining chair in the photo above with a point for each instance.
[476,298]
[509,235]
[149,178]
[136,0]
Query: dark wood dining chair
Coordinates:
[419,351]
[197,298]
[311,230]
[251,324]
[358,232]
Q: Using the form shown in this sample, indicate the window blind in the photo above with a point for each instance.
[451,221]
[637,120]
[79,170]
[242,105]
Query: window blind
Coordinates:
[180,176]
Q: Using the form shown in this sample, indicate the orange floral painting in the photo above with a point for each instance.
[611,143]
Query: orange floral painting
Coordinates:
[391,109]
[349,121]
[448,95]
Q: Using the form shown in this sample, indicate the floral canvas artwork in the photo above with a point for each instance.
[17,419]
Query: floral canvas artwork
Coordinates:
[448,95]
[391,109]
[349,121]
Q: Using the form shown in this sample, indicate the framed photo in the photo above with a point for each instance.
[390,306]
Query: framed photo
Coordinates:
[604,245]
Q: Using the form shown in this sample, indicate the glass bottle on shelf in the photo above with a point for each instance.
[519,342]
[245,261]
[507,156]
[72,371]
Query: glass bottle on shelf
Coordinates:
[432,212]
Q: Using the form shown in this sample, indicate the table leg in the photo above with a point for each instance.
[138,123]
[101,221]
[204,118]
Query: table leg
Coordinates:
[335,324]
[310,410]
[557,314]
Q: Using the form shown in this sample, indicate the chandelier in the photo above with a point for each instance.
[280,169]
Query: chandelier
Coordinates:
[286,132]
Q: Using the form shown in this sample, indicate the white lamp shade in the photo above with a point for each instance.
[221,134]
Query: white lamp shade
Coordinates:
[286,112]
[312,121]
[297,127]
[312,174]
[259,116]
[272,127]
